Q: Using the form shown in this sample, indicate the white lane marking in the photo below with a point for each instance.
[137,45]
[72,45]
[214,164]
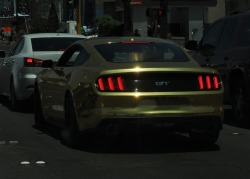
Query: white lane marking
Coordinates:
[13,142]
[25,163]
[40,162]
[236,133]
[2,142]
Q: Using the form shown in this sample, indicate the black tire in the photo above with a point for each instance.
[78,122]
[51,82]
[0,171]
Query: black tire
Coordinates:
[13,103]
[38,113]
[240,103]
[70,133]
[207,137]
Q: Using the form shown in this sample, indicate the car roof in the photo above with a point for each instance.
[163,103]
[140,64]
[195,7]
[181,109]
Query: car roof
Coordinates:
[102,40]
[39,35]
[236,14]
[240,11]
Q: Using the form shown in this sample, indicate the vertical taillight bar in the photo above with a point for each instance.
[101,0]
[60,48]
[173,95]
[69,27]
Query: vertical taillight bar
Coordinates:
[120,83]
[101,84]
[216,82]
[111,84]
[201,83]
[208,82]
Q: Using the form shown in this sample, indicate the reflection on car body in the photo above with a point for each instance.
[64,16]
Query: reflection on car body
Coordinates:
[115,83]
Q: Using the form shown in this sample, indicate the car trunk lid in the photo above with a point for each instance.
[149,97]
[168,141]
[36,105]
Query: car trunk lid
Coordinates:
[160,80]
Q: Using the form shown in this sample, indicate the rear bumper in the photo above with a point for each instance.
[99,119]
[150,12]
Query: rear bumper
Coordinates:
[114,126]
[24,86]
[165,109]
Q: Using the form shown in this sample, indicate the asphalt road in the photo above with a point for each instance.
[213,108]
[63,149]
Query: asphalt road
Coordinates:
[28,153]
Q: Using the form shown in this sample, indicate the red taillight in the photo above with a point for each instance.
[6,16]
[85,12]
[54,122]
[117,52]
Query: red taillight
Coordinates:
[216,82]
[208,82]
[110,83]
[29,60]
[201,82]
[100,84]
[120,83]
[32,62]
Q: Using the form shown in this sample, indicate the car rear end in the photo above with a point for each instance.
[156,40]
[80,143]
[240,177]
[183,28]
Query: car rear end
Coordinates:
[179,98]
[137,89]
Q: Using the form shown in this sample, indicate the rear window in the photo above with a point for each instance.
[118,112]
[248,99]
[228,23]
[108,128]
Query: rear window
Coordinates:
[52,44]
[141,52]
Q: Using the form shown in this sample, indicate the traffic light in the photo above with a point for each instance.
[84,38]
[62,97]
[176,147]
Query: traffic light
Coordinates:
[155,13]
[161,13]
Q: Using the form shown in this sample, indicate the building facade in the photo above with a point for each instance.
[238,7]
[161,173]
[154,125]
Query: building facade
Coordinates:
[186,18]
[235,5]
[6,13]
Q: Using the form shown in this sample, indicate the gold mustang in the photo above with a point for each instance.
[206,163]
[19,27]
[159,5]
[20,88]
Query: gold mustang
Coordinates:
[110,84]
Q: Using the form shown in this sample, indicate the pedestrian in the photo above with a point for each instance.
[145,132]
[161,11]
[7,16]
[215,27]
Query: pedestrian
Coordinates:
[137,33]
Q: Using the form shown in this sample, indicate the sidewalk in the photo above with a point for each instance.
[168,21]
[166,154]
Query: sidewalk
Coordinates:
[7,46]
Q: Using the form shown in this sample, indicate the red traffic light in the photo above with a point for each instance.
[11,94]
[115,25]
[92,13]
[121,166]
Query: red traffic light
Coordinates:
[161,12]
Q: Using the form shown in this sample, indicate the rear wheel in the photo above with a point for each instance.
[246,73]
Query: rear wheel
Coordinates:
[38,114]
[240,104]
[70,133]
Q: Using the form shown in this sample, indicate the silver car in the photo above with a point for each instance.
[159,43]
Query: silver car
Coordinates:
[19,69]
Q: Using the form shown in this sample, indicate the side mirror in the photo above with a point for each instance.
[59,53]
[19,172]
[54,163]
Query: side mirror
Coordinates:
[191,45]
[47,64]
[2,54]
